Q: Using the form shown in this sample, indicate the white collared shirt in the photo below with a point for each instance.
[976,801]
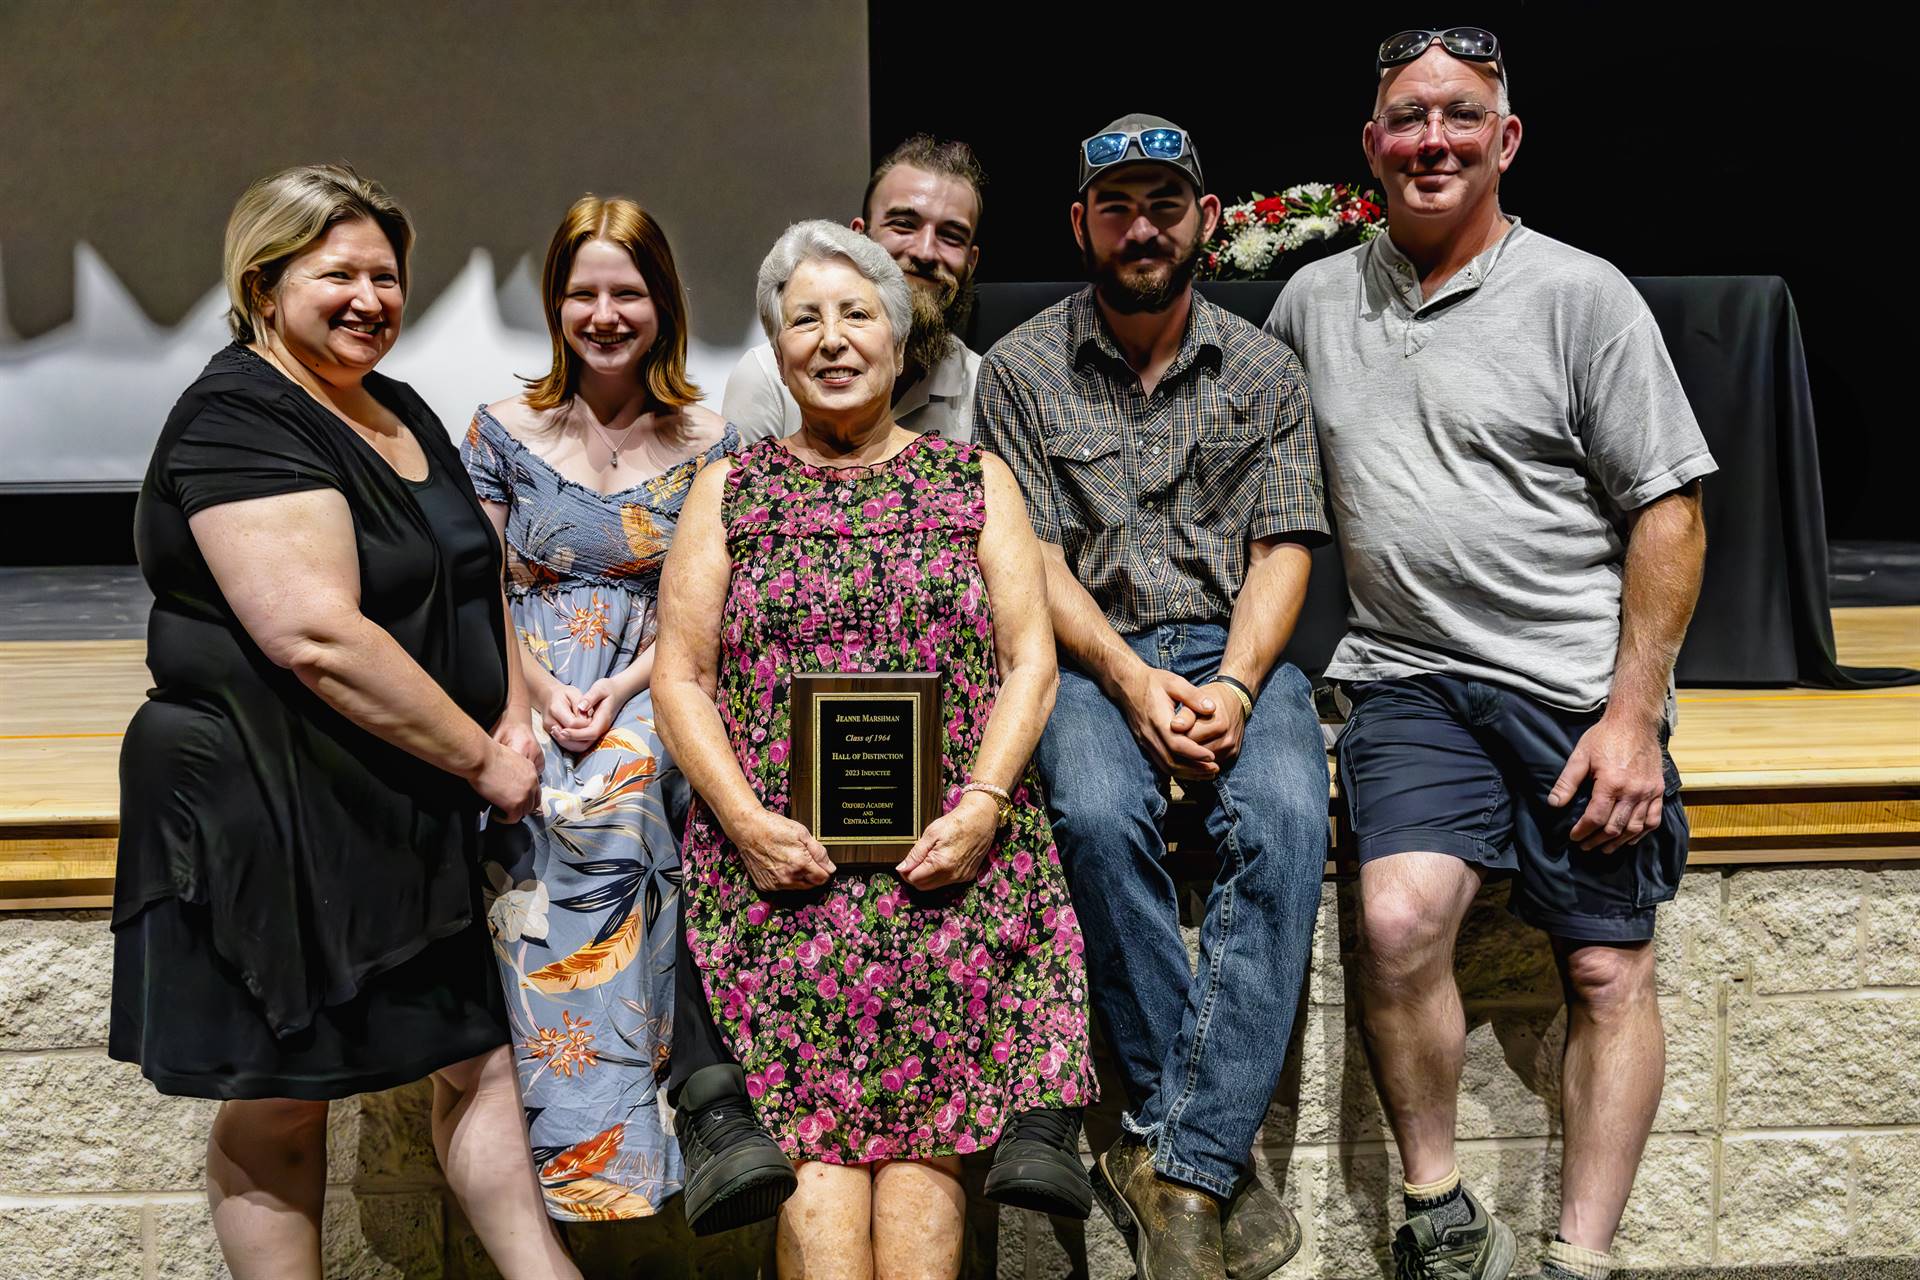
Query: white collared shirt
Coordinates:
[940,403]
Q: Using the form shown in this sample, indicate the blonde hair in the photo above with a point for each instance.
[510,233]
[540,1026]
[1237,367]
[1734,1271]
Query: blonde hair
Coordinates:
[282,215]
[622,222]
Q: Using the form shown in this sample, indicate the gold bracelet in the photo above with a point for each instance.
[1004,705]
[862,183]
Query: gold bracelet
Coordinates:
[1002,802]
[1246,703]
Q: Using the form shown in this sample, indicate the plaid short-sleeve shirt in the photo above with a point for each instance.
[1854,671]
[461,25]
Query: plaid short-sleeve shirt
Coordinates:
[1154,498]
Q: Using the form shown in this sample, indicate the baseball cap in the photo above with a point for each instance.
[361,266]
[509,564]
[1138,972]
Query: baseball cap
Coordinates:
[1137,138]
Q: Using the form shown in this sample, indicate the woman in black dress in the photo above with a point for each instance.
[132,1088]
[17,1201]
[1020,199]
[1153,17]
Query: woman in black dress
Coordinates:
[297,911]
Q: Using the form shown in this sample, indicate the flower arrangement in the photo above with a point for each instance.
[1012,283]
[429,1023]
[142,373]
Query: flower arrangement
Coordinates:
[1265,237]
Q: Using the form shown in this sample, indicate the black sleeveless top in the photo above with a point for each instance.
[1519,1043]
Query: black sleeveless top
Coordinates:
[323,854]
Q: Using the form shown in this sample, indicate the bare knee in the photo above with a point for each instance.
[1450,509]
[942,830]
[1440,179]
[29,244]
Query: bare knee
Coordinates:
[825,1229]
[919,1211]
[1606,982]
[260,1135]
[1403,942]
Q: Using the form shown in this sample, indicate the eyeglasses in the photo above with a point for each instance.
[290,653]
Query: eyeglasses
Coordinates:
[1155,144]
[1475,44]
[1460,119]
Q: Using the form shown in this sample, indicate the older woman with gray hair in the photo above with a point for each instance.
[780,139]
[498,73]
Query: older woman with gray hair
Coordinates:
[887,1022]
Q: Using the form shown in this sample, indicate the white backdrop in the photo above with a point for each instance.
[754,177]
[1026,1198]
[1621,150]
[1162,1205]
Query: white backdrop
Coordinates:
[80,406]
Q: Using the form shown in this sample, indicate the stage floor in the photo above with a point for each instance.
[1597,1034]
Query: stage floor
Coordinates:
[1771,774]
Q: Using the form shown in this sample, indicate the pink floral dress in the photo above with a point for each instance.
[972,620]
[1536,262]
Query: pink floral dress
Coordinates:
[875,1021]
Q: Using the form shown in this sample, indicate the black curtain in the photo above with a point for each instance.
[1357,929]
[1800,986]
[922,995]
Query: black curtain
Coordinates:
[1672,140]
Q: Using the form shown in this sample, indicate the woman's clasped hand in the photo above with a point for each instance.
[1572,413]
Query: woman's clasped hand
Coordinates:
[779,853]
[954,846]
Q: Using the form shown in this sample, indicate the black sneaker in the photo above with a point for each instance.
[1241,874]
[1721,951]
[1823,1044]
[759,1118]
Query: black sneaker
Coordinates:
[1480,1248]
[1036,1165]
[736,1174]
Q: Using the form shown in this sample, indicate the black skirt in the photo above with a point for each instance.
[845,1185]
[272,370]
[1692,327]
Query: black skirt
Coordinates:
[209,1037]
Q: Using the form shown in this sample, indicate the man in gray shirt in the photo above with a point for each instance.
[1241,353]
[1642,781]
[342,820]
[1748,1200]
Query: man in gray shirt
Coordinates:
[923,206]
[1513,471]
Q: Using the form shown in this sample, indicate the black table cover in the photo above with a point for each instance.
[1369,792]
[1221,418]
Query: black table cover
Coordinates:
[1763,615]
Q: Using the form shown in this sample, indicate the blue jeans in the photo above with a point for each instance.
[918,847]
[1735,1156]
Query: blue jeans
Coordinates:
[1201,1051]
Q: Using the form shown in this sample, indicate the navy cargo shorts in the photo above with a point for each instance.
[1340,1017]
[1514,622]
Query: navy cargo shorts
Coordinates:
[1455,766]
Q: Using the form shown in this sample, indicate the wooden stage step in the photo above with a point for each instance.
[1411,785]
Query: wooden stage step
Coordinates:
[1772,775]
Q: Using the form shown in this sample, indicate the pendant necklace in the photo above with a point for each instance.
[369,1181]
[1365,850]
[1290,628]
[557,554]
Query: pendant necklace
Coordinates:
[606,437]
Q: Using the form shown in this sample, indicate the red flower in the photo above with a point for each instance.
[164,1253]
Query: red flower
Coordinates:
[1270,204]
[1274,217]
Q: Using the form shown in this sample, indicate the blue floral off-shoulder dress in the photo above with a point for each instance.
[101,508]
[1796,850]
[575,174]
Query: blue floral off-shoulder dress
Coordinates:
[581,896]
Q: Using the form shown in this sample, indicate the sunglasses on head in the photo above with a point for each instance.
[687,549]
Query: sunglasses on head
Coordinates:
[1155,144]
[1475,44]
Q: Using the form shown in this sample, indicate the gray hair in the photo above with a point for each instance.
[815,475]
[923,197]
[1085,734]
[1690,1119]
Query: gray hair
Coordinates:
[818,240]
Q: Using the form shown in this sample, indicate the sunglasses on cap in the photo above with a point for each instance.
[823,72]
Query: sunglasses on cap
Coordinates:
[1155,144]
[1474,44]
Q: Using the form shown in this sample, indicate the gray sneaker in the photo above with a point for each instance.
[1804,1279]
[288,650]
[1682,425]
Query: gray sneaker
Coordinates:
[1481,1248]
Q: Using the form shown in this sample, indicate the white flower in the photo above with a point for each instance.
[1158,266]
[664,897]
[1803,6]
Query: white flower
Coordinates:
[516,913]
[1308,191]
[1253,247]
[1295,232]
[1321,226]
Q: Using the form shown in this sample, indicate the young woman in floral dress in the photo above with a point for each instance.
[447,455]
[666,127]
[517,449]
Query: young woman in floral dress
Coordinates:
[584,475]
[887,1021]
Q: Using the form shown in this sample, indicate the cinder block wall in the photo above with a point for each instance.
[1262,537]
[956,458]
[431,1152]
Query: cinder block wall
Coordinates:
[1789,1130]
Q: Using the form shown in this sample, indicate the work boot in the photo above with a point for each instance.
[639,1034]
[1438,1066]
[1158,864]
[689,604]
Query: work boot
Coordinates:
[1259,1232]
[736,1174]
[1480,1248]
[1036,1165]
[1174,1229]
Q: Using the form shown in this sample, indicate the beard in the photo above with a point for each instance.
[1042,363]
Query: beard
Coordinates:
[942,306]
[1137,283]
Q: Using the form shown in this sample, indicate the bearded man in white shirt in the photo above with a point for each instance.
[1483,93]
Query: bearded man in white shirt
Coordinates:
[922,206]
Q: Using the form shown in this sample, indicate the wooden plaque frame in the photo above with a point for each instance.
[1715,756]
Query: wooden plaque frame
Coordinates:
[910,788]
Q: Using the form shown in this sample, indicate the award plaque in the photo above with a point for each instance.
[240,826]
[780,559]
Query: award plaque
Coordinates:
[865,764]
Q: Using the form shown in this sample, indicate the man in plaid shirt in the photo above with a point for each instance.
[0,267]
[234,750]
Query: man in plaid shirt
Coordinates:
[1167,454]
